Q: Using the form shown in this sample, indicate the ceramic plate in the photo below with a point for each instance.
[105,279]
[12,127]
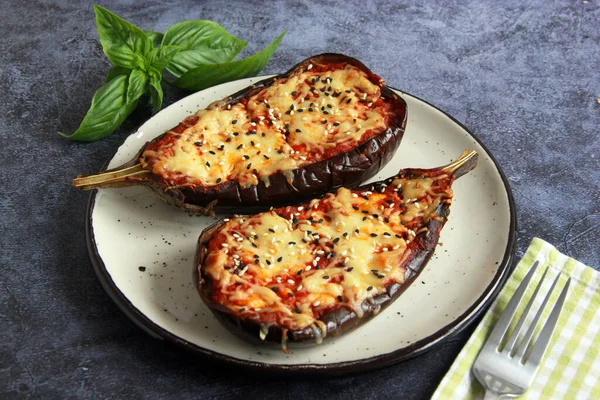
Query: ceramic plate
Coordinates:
[143,253]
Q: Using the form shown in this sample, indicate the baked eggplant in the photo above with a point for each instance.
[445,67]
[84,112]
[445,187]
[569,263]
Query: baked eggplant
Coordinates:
[326,123]
[303,273]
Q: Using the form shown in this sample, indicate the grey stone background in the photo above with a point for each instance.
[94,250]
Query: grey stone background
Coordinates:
[524,76]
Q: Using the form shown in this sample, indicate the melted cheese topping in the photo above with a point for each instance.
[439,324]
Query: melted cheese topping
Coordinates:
[304,118]
[291,265]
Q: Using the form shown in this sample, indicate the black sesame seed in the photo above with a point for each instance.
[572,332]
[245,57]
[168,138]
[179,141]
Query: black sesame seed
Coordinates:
[271,230]
[299,272]
[279,151]
[325,276]
[279,259]
[246,157]
[398,236]
[298,130]
[373,235]
[350,269]
[236,133]
[275,289]
[228,140]
[340,298]
[208,164]
[199,144]
[266,157]
[297,310]
[355,207]
[234,121]
[255,171]
[268,262]
[211,152]
[291,294]
[365,211]
[348,101]
[240,146]
[218,180]
[242,309]
[294,93]
[336,124]
[336,240]
[369,288]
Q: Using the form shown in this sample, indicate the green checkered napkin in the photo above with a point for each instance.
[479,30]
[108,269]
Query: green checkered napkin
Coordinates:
[571,366]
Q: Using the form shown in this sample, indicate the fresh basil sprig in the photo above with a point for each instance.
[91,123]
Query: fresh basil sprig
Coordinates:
[197,53]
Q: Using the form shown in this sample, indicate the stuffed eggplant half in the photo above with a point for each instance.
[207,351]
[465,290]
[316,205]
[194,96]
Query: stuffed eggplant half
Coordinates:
[328,122]
[304,273]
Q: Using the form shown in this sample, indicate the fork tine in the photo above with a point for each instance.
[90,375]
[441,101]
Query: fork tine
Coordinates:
[512,340]
[508,313]
[536,319]
[542,342]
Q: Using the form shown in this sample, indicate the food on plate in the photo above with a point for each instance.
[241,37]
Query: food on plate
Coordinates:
[308,272]
[326,123]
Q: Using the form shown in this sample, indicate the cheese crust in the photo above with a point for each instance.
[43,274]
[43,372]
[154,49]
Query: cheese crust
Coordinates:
[290,266]
[308,116]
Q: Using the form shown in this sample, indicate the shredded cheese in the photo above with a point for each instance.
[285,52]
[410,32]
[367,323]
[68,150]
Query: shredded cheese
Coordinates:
[299,262]
[298,120]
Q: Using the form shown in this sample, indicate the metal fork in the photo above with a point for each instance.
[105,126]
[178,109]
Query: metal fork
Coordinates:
[508,372]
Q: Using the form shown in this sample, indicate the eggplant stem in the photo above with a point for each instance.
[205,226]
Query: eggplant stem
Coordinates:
[118,177]
[463,164]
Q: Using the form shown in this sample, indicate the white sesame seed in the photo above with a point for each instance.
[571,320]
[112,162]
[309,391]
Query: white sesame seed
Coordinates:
[291,281]
[309,67]
[224,245]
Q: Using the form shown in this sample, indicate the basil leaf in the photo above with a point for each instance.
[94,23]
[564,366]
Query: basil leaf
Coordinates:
[208,75]
[107,112]
[136,85]
[156,38]
[156,93]
[116,71]
[121,41]
[160,57]
[201,42]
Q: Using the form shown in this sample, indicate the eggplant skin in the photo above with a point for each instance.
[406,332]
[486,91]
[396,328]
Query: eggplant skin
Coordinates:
[340,320]
[347,169]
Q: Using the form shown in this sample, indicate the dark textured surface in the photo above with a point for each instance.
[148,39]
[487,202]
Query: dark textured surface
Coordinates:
[523,76]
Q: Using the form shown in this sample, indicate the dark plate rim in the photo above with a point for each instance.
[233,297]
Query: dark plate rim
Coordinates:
[333,369]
